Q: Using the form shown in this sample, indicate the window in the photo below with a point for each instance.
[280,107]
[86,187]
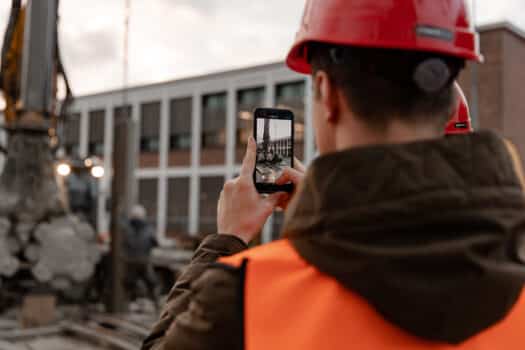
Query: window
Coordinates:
[96,132]
[149,141]
[71,135]
[210,189]
[72,150]
[178,197]
[247,101]
[149,127]
[180,142]
[291,91]
[96,149]
[291,96]
[215,102]
[122,111]
[149,145]
[213,137]
[180,131]
[148,192]
[214,120]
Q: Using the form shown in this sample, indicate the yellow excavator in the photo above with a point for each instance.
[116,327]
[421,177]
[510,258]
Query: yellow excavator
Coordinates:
[31,68]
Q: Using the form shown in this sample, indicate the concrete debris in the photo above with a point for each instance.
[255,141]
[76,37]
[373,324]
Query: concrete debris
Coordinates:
[8,264]
[64,250]
[5,226]
[13,245]
[35,227]
[32,253]
[23,231]
[61,284]
[28,187]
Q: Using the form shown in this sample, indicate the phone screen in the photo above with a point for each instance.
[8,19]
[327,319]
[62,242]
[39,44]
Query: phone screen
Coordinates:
[274,148]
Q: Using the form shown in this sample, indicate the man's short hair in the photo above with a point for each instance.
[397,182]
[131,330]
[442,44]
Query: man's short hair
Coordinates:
[385,84]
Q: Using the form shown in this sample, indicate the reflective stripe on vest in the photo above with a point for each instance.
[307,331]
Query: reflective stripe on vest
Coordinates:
[289,304]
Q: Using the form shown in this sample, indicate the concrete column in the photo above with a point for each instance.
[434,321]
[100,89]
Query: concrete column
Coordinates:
[103,219]
[83,142]
[269,101]
[269,96]
[309,137]
[162,198]
[231,128]
[195,161]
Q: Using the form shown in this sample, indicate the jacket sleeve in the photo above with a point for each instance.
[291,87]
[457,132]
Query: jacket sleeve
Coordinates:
[202,310]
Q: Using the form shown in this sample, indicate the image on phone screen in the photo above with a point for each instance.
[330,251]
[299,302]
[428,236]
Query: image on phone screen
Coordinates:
[274,148]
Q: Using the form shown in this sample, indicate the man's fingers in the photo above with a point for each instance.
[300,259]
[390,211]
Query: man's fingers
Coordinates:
[298,165]
[290,175]
[274,199]
[284,199]
[248,164]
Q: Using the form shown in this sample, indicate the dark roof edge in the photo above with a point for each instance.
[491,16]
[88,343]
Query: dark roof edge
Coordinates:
[210,75]
[503,25]
[481,28]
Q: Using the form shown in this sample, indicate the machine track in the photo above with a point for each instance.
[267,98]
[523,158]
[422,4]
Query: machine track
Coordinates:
[97,331]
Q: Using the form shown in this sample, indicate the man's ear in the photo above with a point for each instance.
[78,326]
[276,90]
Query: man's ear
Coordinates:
[327,96]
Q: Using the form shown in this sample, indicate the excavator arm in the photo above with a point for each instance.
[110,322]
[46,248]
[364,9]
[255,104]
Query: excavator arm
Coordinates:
[31,67]
[11,61]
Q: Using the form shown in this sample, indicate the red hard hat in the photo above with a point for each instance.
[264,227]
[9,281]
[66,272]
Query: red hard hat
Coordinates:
[460,122]
[441,26]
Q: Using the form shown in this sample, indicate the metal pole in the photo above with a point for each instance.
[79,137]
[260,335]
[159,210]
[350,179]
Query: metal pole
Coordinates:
[39,58]
[474,80]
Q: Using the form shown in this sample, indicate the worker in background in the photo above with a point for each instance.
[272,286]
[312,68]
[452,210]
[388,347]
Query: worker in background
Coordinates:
[139,242]
[396,237]
[461,123]
[82,191]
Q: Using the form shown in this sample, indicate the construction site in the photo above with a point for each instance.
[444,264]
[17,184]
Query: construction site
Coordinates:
[78,172]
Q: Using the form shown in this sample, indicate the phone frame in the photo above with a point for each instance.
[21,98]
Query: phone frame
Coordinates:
[279,114]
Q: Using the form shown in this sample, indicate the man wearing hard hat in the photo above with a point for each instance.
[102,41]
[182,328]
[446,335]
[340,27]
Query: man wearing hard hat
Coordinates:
[396,237]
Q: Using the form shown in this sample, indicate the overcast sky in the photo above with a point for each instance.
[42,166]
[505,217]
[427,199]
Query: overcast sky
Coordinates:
[279,129]
[179,38]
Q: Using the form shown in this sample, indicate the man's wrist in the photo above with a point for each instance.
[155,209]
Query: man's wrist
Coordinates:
[235,243]
[223,244]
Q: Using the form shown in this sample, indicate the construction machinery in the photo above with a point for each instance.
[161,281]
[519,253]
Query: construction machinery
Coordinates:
[43,245]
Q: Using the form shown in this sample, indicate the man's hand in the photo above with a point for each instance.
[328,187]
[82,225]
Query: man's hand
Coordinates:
[294,175]
[242,211]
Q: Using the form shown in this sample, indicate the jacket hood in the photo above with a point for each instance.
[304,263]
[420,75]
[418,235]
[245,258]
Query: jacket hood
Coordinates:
[427,232]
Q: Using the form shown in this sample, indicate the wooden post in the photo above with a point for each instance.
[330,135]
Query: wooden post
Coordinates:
[122,183]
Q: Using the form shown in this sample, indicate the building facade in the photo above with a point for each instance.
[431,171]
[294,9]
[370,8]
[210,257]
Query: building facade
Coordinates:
[190,137]
[494,89]
[191,133]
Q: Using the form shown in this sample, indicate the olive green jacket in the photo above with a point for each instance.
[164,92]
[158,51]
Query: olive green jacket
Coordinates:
[426,232]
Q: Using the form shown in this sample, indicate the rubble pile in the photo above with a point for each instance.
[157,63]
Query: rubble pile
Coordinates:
[36,231]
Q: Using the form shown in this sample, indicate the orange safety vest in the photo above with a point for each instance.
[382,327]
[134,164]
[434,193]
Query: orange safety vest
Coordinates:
[289,304]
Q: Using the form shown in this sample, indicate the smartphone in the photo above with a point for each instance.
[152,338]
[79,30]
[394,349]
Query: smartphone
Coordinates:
[273,131]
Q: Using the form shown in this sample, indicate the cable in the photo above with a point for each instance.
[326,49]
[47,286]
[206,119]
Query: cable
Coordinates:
[125,63]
